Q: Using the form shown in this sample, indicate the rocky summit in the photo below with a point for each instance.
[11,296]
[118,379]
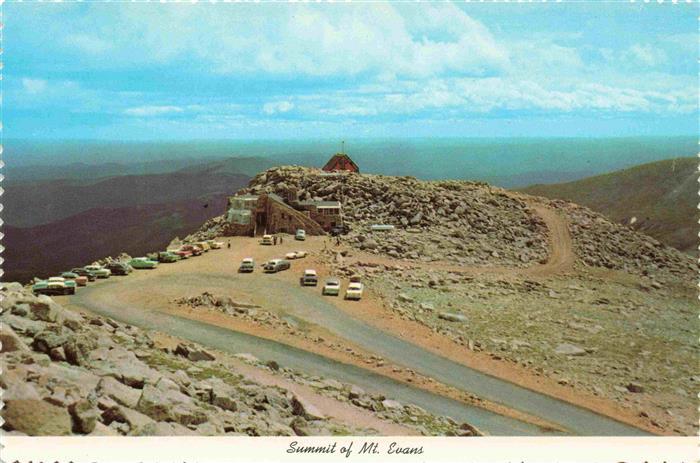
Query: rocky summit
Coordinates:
[465,223]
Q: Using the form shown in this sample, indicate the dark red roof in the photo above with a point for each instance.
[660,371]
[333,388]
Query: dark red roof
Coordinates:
[339,161]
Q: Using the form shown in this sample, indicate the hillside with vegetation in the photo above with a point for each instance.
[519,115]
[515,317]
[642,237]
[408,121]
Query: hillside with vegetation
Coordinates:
[658,199]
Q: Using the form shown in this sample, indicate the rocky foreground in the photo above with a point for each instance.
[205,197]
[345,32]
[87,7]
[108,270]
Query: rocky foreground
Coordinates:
[66,373]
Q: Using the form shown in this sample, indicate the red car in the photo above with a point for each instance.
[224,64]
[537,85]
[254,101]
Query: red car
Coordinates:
[195,250]
[182,253]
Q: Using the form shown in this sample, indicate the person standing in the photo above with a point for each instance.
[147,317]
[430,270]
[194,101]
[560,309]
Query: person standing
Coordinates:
[274,240]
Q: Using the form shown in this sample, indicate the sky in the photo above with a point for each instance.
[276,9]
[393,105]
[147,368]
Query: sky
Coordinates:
[136,71]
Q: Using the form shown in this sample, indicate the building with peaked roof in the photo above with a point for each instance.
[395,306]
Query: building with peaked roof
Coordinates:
[341,162]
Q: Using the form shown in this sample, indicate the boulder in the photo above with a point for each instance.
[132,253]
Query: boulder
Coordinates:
[164,402]
[84,415]
[123,365]
[11,342]
[36,418]
[193,353]
[635,387]
[391,404]
[355,392]
[569,349]
[453,317]
[24,325]
[47,340]
[44,308]
[136,421]
[301,407]
[121,393]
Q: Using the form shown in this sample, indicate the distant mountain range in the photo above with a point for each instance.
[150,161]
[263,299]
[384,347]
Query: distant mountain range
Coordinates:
[58,224]
[80,239]
[658,199]
[35,203]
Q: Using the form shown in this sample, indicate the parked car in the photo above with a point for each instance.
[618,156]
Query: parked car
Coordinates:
[99,271]
[182,253]
[41,287]
[143,263]
[276,265]
[194,249]
[247,265]
[84,273]
[340,230]
[119,268]
[69,275]
[59,285]
[266,240]
[81,281]
[354,291]
[300,235]
[331,287]
[295,255]
[203,245]
[215,244]
[168,257]
[309,278]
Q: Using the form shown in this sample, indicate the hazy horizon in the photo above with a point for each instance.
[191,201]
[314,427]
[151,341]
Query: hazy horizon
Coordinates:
[508,162]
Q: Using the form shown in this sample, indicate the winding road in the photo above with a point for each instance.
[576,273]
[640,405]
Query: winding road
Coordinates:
[143,298]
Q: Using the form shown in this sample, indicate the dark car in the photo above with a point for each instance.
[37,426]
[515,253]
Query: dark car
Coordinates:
[119,268]
[83,272]
[340,230]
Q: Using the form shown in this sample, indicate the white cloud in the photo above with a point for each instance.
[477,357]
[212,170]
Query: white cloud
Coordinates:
[147,111]
[277,107]
[647,55]
[34,86]
[87,43]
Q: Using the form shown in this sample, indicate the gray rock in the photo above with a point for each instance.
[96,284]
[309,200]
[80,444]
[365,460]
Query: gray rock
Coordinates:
[121,393]
[248,358]
[47,340]
[355,392]
[11,342]
[392,404]
[137,422]
[453,317]
[569,349]
[635,387]
[164,401]
[301,407]
[84,416]
[36,418]
[122,365]
[44,308]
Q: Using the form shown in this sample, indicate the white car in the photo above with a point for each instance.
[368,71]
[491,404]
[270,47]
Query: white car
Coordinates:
[247,265]
[99,271]
[266,240]
[354,291]
[215,244]
[331,287]
[59,285]
[309,278]
[300,235]
[295,255]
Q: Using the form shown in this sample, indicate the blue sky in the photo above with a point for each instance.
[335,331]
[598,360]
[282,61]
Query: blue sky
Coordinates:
[303,70]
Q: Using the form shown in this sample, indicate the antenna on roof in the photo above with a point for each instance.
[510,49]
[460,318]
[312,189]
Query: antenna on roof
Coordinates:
[342,147]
